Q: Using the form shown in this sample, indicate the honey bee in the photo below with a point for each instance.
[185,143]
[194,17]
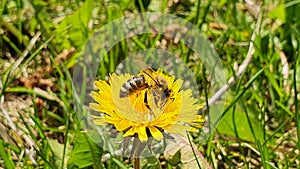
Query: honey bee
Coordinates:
[160,90]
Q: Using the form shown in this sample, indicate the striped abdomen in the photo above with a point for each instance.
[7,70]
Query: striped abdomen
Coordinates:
[132,85]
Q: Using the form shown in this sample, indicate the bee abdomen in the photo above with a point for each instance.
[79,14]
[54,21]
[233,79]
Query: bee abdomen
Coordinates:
[125,89]
[132,85]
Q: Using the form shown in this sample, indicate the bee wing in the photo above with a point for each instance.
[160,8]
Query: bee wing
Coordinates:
[145,68]
[142,65]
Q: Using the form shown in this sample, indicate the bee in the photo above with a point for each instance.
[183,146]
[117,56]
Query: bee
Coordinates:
[160,89]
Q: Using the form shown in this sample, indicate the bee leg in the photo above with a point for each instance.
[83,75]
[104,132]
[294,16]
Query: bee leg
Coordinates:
[155,96]
[147,105]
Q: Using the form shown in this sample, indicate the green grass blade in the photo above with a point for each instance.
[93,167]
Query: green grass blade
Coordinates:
[297,113]
[243,91]
[9,164]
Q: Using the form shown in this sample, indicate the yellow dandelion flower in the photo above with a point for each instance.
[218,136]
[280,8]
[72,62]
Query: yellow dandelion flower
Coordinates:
[150,111]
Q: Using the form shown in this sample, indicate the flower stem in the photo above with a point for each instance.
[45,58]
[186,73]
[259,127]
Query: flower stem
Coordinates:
[136,163]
